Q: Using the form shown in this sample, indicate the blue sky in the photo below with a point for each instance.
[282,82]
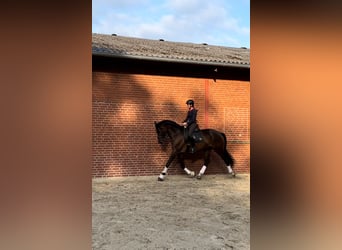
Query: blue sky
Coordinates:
[215,22]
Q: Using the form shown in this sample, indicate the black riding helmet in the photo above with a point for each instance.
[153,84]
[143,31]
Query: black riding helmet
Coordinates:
[190,102]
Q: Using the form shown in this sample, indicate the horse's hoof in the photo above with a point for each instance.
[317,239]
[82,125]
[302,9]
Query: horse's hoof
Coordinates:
[192,174]
[199,177]
[160,179]
[233,175]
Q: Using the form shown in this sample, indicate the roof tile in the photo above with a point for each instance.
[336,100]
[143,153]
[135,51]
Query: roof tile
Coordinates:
[109,45]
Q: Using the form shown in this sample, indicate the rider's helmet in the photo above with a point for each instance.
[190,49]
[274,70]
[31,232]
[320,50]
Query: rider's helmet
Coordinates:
[190,102]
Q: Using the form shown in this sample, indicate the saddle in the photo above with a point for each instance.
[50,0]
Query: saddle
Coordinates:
[196,135]
[193,139]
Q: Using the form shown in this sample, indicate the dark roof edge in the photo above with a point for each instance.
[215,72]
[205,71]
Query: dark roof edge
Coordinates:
[172,60]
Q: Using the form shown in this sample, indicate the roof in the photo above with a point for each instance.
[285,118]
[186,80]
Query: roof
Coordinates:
[160,50]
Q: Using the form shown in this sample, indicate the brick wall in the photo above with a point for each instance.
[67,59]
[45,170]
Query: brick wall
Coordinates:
[125,107]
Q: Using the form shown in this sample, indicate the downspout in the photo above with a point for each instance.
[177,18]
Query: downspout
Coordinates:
[206,103]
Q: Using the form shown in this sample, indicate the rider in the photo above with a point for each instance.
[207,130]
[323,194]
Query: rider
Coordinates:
[190,123]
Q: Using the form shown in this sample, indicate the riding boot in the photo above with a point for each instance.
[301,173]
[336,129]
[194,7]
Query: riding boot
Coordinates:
[192,148]
[191,145]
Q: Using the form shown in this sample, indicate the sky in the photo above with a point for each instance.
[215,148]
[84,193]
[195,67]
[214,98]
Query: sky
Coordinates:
[215,22]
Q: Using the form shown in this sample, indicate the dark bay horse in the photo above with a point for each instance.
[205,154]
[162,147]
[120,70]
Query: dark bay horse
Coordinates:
[211,140]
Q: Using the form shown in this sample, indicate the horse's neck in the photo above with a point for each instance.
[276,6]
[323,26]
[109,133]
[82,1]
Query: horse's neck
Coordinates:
[174,131]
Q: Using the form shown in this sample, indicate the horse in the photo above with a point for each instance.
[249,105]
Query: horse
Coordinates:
[210,140]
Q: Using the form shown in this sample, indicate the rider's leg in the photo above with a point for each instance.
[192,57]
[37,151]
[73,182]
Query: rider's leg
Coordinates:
[191,140]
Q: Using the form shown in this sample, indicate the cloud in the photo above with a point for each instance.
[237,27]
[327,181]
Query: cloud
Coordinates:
[213,22]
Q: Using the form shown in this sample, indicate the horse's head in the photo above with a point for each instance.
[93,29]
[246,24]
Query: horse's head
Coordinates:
[166,129]
[162,131]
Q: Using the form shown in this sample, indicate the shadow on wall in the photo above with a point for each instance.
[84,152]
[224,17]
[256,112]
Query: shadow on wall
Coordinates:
[124,109]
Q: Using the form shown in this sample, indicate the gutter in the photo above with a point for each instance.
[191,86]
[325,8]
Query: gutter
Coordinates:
[173,60]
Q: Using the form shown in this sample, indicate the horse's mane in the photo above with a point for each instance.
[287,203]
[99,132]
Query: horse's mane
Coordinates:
[170,123]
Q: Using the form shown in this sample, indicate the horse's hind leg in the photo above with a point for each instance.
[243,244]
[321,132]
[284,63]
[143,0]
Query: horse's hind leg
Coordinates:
[206,163]
[228,159]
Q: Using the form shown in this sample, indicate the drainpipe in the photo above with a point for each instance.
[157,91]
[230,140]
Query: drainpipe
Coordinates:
[206,103]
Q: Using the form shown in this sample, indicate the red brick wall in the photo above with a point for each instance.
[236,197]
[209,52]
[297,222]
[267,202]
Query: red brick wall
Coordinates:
[125,107]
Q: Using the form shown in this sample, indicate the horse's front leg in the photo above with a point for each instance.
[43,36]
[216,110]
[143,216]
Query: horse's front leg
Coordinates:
[164,172]
[187,171]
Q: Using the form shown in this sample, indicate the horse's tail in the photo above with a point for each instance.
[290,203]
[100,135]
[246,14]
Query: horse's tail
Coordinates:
[229,156]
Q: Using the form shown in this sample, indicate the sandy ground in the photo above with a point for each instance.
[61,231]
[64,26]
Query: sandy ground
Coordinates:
[178,213]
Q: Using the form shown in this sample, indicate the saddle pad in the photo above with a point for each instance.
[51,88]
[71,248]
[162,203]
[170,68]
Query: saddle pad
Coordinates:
[197,136]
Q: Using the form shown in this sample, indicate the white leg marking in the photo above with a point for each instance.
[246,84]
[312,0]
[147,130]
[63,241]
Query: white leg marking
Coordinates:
[203,170]
[191,173]
[187,171]
[162,175]
[230,170]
